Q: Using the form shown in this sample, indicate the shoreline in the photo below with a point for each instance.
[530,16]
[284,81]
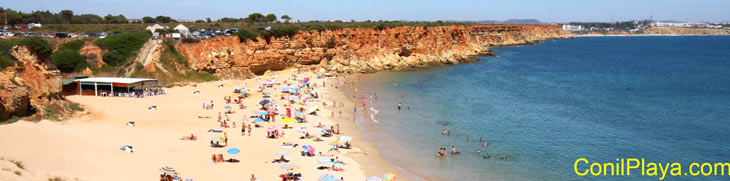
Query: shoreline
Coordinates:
[370,166]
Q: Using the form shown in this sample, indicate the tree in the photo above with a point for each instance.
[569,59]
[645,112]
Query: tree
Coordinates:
[163,19]
[148,19]
[270,17]
[67,15]
[199,21]
[255,17]
[286,18]
[208,20]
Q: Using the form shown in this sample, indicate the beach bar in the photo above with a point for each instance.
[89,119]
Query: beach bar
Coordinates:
[109,86]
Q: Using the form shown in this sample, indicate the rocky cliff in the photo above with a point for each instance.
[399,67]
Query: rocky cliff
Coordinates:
[29,89]
[358,50]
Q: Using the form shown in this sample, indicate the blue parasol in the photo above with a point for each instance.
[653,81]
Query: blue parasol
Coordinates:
[233,151]
[258,120]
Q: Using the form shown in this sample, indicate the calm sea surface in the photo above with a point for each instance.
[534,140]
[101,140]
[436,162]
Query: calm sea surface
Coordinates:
[664,99]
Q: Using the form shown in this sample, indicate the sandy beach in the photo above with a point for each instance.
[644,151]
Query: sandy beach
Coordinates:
[88,147]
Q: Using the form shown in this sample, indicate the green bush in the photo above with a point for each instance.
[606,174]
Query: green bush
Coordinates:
[246,34]
[38,45]
[75,108]
[73,45]
[190,40]
[68,60]
[121,47]
[106,68]
[5,63]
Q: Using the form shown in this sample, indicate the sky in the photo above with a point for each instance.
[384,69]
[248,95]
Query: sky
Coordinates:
[413,10]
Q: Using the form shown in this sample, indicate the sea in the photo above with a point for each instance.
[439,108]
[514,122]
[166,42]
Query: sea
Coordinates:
[665,99]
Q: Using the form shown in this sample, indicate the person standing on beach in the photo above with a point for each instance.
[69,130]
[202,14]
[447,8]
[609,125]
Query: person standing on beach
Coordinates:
[249,129]
[204,106]
[243,129]
[340,114]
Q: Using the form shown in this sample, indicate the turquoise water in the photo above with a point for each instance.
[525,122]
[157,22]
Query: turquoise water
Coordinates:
[664,99]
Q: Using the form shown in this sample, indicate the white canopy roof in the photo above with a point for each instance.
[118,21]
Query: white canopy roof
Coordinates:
[114,80]
[181,27]
[155,27]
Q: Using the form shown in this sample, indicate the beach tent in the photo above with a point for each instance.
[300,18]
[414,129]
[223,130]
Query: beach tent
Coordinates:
[154,28]
[182,29]
[168,170]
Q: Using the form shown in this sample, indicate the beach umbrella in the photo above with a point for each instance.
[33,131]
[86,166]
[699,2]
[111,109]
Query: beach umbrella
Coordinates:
[334,143]
[374,179]
[285,89]
[216,140]
[289,166]
[327,177]
[228,107]
[267,96]
[271,111]
[323,160]
[282,153]
[288,120]
[264,102]
[271,128]
[303,129]
[388,177]
[293,97]
[168,170]
[319,133]
[308,148]
[345,138]
[233,151]
[262,113]
[312,109]
[258,120]
[325,128]
[297,112]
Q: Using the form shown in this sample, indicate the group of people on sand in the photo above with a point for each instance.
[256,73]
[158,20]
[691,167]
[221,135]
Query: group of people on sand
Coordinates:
[170,177]
[291,104]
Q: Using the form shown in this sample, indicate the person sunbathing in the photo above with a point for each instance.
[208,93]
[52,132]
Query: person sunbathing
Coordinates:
[232,160]
[191,137]
[333,168]
[282,159]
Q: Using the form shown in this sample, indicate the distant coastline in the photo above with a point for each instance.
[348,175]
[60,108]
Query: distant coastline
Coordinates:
[616,35]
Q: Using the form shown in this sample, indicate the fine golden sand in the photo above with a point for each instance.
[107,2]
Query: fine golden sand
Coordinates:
[87,147]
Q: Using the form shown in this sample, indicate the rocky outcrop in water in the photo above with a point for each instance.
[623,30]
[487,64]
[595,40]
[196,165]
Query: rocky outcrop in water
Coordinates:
[359,50]
[29,89]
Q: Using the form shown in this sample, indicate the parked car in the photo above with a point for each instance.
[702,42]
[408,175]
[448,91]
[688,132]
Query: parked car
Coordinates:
[19,35]
[62,35]
[29,34]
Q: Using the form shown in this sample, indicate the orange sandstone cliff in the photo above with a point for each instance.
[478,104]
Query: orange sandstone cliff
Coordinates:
[359,50]
[29,89]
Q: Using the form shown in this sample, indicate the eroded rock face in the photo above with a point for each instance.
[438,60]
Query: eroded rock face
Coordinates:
[29,88]
[93,55]
[359,50]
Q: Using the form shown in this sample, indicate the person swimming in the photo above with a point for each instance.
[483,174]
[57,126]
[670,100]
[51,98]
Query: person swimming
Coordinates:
[443,132]
[399,105]
[453,150]
[486,155]
[485,144]
[479,150]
